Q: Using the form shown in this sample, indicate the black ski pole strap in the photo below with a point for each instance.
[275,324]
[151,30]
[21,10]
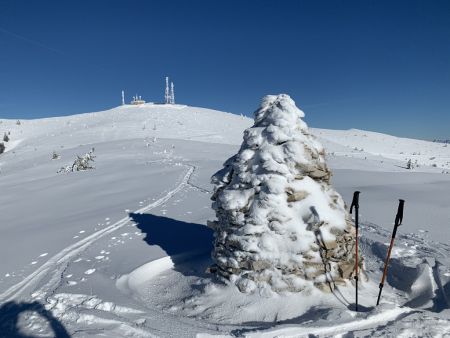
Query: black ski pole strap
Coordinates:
[355,201]
[399,216]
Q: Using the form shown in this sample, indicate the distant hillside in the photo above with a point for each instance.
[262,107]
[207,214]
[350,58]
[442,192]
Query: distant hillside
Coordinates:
[206,125]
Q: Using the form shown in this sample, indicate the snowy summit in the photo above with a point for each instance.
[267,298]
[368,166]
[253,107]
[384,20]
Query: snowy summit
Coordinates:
[279,221]
[118,246]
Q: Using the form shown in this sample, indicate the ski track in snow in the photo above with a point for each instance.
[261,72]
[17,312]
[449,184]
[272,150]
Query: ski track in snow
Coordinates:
[334,330]
[59,262]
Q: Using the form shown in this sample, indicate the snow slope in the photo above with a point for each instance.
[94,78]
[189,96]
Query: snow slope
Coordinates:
[121,250]
[370,144]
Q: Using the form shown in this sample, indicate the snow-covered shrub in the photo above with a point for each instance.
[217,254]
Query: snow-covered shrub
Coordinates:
[55,156]
[5,138]
[2,147]
[81,163]
[18,122]
[279,222]
[409,164]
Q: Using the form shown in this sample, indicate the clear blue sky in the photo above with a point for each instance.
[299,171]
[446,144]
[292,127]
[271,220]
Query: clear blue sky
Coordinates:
[374,65]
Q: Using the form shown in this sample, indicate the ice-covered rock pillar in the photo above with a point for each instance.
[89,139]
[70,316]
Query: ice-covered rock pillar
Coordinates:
[279,223]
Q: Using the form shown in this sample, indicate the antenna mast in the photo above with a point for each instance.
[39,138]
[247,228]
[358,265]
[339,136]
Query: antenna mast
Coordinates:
[172,93]
[166,93]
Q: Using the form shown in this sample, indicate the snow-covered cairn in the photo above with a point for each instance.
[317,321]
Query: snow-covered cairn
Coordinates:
[280,224]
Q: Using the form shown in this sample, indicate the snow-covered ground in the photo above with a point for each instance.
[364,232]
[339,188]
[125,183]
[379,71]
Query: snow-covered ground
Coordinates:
[122,250]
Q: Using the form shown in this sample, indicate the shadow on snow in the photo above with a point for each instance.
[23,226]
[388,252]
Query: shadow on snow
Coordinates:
[10,314]
[188,244]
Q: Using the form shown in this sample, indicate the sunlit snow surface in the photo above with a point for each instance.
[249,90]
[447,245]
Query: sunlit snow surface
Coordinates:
[122,250]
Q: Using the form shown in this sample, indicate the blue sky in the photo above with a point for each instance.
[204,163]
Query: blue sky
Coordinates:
[374,65]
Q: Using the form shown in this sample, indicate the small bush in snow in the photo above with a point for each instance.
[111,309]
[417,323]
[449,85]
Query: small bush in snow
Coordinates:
[2,147]
[81,163]
[18,122]
[409,165]
[55,156]
[5,138]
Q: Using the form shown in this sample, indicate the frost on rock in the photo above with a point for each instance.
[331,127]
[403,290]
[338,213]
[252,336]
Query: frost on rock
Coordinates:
[279,223]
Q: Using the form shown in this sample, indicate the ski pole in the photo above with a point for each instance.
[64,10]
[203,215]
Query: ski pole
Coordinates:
[355,203]
[398,221]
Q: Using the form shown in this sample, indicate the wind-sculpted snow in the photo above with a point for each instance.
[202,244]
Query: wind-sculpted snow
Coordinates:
[415,300]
